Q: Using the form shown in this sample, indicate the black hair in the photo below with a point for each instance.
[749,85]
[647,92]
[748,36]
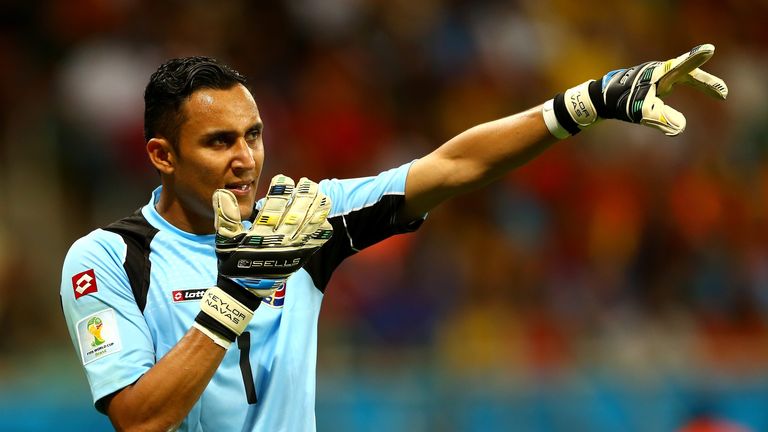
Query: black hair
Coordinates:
[173,83]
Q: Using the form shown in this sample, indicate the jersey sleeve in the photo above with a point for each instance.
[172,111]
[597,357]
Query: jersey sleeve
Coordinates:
[364,212]
[110,335]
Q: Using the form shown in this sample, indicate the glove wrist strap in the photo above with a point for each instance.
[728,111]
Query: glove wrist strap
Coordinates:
[227,309]
[595,91]
[240,293]
[570,112]
[579,106]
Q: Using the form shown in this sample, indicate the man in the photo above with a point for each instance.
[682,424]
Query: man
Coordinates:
[185,317]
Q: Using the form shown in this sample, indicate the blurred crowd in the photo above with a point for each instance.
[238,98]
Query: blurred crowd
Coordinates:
[619,249]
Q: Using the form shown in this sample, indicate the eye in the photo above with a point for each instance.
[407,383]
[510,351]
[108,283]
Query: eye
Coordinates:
[219,140]
[253,135]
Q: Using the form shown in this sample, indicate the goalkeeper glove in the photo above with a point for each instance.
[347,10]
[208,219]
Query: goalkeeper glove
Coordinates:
[633,95]
[253,264]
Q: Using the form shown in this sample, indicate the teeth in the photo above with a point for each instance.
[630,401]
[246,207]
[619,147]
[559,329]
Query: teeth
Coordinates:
[243,187]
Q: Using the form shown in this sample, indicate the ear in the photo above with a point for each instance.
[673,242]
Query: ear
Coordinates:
[162,155]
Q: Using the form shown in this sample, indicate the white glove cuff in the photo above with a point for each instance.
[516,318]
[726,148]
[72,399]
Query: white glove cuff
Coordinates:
[217,338]
[548,112]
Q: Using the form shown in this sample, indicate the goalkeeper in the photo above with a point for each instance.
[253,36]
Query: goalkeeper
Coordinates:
[200,310]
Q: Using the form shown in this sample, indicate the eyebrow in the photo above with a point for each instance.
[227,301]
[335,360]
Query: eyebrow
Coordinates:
[258,127]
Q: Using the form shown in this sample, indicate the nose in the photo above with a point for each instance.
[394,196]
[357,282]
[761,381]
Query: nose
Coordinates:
[243,156]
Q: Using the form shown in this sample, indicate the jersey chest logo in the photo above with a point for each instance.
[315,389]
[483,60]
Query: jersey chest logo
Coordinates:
[179,296]
[277,300]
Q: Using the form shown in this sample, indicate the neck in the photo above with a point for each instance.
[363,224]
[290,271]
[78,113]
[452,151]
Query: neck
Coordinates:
[183,215]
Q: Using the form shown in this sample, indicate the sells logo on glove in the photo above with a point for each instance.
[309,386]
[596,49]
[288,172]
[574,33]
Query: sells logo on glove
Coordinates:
[246,263]
[84,283]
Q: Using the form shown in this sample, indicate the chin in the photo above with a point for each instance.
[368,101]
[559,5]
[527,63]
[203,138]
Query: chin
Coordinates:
[246,211]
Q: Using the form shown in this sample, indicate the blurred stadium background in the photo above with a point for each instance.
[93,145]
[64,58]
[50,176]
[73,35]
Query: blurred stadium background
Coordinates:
[618,283]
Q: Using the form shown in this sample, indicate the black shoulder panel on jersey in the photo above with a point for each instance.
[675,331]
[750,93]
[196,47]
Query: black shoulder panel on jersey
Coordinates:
[355,231]
[321,265]
[137,234]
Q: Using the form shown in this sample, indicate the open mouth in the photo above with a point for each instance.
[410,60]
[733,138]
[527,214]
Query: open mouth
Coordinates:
[240,188]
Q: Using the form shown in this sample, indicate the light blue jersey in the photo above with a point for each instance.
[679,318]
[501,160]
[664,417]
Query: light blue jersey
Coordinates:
[131,290]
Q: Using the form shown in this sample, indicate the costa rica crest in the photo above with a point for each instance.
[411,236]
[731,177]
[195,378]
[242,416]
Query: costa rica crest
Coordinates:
[276,300]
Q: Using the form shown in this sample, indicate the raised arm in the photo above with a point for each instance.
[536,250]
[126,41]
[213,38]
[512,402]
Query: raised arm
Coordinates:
[485,152]
[473,159]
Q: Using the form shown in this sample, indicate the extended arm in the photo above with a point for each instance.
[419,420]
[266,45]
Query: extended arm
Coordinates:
[473,159]
[485,152]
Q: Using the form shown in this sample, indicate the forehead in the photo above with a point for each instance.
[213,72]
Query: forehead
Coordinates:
[232,109]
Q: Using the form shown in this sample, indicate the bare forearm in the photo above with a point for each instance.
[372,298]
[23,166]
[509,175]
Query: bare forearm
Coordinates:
[161,398]
[489,150]
[475,158]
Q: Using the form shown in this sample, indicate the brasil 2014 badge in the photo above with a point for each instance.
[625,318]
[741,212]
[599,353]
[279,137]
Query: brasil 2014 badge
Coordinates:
[97,335]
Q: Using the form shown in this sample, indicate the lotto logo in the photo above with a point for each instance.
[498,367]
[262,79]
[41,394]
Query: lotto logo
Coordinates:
[84,283]
[187,295]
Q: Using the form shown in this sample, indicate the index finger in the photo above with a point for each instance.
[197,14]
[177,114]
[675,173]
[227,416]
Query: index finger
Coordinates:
[677,69]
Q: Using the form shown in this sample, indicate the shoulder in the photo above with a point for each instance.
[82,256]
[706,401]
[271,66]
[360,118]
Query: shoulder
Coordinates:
[110,242]
[98,245]
[105,261]
[103,251]
[357,193]
[100,254]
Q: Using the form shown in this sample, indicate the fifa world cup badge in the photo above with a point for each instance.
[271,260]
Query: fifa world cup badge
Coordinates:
[98,336]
